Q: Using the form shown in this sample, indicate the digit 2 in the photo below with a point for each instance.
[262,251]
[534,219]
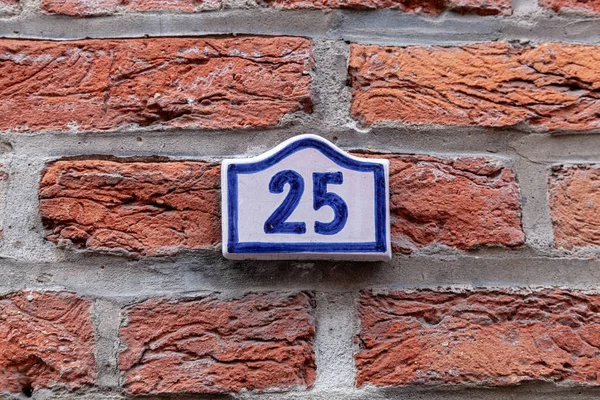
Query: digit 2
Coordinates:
[276,223]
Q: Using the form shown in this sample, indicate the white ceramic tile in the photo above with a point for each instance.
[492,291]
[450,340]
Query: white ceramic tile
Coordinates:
[306,199]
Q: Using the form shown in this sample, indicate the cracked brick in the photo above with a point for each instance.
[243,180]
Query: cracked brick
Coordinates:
[552,86]
[95,85]
[462,202]
[151,208]
[480,337]
[591,7]
[426,7]
[574,198]
[86,8]
[143,208]
[211,345]
[46,340]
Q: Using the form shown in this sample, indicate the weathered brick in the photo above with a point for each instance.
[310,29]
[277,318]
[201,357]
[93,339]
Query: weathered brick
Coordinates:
[139,207]
[46,340]
[210,345]
[463,203]
[574,193]
[149,207]
[427,7]
[213,83]
[492,338]
[588,7]
[84,8]
[553,86]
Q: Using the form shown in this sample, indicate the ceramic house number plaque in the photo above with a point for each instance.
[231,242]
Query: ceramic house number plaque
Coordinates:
[306,199]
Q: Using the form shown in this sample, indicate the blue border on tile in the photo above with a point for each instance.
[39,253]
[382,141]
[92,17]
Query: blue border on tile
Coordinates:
[378,170]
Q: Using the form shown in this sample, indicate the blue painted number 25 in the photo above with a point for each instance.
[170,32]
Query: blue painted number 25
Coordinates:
[277,222]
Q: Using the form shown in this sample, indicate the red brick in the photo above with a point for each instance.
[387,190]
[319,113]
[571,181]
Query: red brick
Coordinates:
[215,83]
[586,7]
[211,345]
[427,7]
[149,208]
[463,203]
[491,338]
[574,193]
[46,340]
[139,207]
[83,8]
[552,86]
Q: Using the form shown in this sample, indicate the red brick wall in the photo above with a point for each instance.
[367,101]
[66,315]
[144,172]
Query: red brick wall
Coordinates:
[115,116]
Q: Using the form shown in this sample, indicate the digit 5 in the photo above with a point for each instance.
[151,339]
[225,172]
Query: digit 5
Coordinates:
[321,197]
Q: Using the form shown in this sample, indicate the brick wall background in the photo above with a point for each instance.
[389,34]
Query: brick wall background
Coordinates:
[115,115]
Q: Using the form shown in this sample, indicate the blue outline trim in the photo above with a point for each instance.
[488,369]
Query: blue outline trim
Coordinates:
[378,170]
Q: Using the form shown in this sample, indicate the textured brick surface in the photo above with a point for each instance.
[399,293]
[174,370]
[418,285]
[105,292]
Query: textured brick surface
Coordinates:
[208,345]
[463,203]
[483,337]
[144,207]
[180,82]
[587,7]
[429,7]
[553,86]
[575,205]
[45,340]
[82,8]
[157,208]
